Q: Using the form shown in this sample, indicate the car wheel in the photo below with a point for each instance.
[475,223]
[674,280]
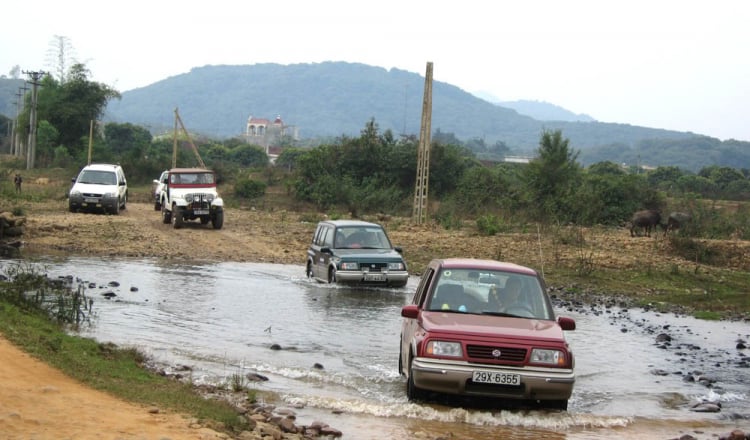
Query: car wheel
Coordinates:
[157,206]
[217,220]
[331,275]
[412,392]
[177,218]
[71,208]
[116,208]
[166,215]
[308,270]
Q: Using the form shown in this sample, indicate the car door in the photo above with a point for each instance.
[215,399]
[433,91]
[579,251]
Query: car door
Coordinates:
[409,327]
[323,259]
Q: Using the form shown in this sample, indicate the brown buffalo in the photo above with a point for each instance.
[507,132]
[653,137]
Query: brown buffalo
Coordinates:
[646,220]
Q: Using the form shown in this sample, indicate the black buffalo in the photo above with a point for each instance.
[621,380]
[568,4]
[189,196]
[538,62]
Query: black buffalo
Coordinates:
[646,220]
[675,220]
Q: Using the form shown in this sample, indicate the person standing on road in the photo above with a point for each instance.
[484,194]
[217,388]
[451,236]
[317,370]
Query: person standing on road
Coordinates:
[18,180]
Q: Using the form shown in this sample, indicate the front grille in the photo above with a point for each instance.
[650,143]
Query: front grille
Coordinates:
[509,354]
[374,267]
[92,195]
[200,201]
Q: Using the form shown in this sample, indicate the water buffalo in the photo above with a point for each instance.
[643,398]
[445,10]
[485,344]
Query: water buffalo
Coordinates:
[647,220]
[675,220]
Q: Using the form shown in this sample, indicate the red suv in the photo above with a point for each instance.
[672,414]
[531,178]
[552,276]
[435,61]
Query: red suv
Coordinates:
[485,328]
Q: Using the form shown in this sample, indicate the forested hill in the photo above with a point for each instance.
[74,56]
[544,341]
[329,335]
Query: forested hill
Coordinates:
[331,99]
[338,98]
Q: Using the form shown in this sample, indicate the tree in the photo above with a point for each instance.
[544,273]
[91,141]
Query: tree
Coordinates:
[552,176]
[127,138]
[70,107]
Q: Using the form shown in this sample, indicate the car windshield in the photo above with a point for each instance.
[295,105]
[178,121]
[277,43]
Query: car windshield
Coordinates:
[192,178]
[486,292]
[98,177]
[361,237]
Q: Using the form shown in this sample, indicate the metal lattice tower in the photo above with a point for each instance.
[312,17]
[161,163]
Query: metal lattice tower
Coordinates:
[423,152]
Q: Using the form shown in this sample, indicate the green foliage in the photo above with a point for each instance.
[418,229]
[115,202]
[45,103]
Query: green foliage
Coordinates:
[249,189]
[249,156]
[552,178]
[489,225]
[70,107]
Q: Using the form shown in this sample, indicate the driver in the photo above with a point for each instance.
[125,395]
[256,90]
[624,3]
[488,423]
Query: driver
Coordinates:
[511,297]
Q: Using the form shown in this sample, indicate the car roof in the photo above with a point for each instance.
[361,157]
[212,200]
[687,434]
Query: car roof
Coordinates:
[339,223]
[475,263]
[101,167]
[190,170]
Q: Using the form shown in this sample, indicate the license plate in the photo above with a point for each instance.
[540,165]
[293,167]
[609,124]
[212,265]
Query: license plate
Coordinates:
[90,200]
[374,277]
[496,378]
[200,212]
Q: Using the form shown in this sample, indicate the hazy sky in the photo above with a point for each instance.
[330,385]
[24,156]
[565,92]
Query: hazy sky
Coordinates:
[680,65]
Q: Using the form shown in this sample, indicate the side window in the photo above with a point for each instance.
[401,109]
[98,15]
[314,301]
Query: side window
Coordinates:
[424,283]
[328,237]
[317,235]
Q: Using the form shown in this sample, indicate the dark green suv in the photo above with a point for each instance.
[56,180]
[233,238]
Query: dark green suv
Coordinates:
[355,252]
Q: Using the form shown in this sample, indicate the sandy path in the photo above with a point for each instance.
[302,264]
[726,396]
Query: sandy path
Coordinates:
[39,402]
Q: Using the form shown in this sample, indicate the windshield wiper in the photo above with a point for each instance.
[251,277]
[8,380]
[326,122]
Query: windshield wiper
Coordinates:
[487,312]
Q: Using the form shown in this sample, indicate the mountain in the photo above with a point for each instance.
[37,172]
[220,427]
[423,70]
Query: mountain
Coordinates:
[544,111]
[327,100]
[336,98]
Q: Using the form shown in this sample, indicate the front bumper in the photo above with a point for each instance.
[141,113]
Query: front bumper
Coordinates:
[82,201]
[455,377]
[361,277]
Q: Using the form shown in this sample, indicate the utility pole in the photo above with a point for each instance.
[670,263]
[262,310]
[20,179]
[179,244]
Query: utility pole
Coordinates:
[31,149]
[423,152]
[15,141]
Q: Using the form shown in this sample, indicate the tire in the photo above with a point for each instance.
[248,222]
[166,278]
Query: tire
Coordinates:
[308,270]
[217,220]
[116,209]
[412,392]
[166,215]
[71,208]
[177,218]
[157,206]
[331,275]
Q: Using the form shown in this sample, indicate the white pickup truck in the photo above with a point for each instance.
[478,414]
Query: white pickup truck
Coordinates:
[189,194]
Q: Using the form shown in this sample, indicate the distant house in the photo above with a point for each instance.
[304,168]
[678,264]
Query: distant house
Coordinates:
[267,134]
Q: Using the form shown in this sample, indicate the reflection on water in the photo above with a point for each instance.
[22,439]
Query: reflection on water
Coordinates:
[222,319]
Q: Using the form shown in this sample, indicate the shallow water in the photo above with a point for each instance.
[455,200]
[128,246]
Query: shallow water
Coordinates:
[222,319]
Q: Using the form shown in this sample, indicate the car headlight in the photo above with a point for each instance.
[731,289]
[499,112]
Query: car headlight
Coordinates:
[549,357]
[189,198]
[75,193]
[210,198]
[349,265]
[396,266]
[444,348]
[110,195]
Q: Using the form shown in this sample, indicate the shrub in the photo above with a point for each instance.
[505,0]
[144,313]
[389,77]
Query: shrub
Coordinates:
[249,189]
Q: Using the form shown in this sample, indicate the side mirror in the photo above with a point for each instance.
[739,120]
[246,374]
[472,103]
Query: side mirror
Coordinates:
[398,249]
[410,311]
[566,323]
[72,180]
